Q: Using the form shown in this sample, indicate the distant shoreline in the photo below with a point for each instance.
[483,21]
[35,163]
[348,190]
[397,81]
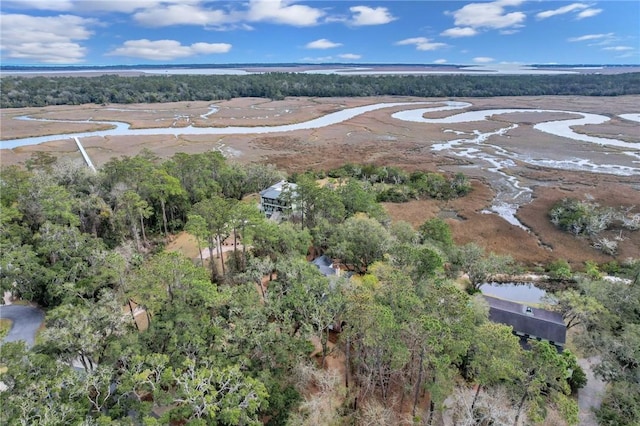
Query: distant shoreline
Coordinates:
[334,68]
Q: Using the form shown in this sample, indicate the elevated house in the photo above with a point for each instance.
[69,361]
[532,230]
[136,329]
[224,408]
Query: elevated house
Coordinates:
[529,322]
[276,201]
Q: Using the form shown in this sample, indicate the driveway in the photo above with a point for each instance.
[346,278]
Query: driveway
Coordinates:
[590,396]
[26,321]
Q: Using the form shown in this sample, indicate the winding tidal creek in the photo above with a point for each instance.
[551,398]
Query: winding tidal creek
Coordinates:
[475,146]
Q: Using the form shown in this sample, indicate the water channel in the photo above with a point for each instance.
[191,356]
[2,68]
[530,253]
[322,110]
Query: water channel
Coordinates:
[510,192]
[123,129]
[526,293]
[476,146]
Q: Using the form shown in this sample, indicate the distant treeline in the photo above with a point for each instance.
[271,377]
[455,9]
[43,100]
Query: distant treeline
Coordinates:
[20,92]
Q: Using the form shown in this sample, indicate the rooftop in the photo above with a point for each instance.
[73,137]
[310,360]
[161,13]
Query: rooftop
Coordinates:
[275,190]
[325,265]
[528,320]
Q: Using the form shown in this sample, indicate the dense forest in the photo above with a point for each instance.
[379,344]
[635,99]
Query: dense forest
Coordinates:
[228,341]
[18,92]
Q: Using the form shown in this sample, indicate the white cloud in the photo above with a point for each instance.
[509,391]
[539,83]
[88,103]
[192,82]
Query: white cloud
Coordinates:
[322,43]
[588,37]
[60,5]
[318,59]
[582,11]
[282,12]
[588,13]
[48,53]
[364,15]
[561,10]
[459,32]
[482,60]
[180,14]
[618,48]
[350,56]
[488,15]
[51,39]
[202,48]
[194,12]
[421,43]
[216,15]
[124,6]
[440,61]
[149,13]
[166,50]
[509,2]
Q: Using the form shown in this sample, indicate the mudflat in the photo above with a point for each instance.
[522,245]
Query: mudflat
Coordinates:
[547,167]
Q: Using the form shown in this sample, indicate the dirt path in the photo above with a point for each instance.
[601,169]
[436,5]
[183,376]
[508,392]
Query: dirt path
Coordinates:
[335,359]
[187,245]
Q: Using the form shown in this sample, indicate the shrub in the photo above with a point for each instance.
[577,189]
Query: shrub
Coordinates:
[578,378]
[611,268]
[621,405]
[560,269]
[606,246]
[589,218]
[436,230]
[393,195]
[592,270]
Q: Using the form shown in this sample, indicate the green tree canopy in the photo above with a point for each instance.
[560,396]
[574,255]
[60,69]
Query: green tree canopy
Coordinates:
[358,242]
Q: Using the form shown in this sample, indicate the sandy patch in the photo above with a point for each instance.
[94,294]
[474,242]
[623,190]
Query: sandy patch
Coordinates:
[138,315]
[185,244]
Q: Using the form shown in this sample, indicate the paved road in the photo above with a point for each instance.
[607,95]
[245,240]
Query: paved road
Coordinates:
[26,321]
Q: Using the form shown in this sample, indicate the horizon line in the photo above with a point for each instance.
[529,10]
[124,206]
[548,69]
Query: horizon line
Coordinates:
[275,64]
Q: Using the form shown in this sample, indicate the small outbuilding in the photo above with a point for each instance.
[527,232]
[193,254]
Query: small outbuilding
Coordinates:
[529,322]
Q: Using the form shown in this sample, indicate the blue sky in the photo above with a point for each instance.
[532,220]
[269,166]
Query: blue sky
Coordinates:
[128,32]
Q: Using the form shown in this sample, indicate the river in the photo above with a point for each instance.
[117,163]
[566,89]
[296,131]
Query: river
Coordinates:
[123,129]
[476,146]
[560,128]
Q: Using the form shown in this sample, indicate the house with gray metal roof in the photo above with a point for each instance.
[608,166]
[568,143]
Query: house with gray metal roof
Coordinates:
[529,322]
[326,266]
[277,200]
